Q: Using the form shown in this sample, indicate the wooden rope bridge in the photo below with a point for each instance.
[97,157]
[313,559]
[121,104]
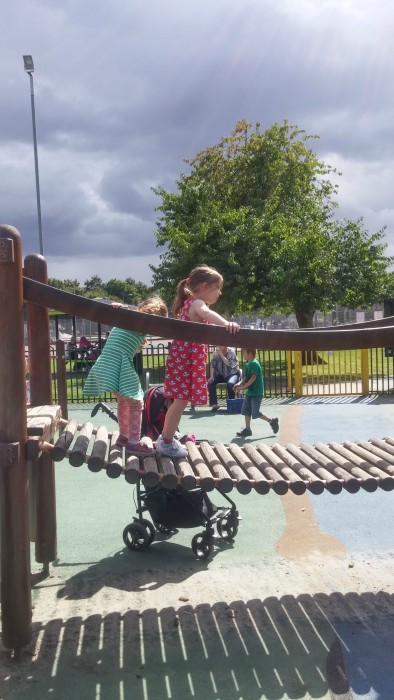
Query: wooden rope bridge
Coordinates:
[352,466]
[27,451]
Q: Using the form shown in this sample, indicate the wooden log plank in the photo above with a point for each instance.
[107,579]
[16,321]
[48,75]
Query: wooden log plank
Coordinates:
[389,441]
[98,454]
[242,482]
[297,485]
[64,441]
[186,474]
[278,483]
[257,479]
[224,481]
[115,458]
[381,458]
[150,473]
[313,483]
[349,482]
[204,476]
[80,448]
[170,478]
[331,482]
[368,483]
[385,444]
[132,469]
[149,469]
[386,482]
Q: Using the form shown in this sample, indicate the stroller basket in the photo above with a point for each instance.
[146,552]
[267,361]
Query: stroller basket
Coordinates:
[177,508]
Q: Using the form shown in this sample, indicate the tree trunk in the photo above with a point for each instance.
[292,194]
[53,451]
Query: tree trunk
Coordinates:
[305,320]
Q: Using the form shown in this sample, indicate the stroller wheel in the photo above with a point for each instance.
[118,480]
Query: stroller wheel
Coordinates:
[227,528]
[149,527]
[135,536]
[202,545]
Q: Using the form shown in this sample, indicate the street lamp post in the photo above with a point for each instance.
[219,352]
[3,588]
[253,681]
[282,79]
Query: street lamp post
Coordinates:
[29,68]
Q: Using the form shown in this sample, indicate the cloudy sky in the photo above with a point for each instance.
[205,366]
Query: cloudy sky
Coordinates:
[126,89]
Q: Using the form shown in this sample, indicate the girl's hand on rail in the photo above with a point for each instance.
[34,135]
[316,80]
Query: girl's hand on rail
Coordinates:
[232,327]
[119,305]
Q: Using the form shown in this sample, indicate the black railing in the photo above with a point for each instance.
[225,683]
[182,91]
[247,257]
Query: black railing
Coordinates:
[150,364]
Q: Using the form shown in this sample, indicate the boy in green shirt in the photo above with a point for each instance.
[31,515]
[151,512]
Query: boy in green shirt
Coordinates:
[254,384]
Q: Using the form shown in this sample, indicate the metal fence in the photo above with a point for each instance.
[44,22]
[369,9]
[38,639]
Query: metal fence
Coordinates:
[150,365]
[286,374]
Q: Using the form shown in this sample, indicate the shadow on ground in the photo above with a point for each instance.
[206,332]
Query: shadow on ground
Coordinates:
[305,646]
[160,564]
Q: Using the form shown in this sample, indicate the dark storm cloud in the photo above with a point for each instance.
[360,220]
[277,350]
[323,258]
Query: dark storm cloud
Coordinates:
[125,91]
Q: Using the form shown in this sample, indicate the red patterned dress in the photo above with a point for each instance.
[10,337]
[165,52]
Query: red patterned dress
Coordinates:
[186,374]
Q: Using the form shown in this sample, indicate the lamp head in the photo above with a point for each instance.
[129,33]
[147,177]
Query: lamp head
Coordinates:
[28,64]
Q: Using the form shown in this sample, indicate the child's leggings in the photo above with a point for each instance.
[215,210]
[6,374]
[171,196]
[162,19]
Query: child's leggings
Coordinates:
[129,416]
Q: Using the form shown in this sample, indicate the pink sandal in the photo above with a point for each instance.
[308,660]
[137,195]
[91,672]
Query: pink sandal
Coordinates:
[139,449]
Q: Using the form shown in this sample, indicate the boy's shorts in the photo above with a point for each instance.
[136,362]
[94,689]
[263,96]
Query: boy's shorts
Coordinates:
[251,406]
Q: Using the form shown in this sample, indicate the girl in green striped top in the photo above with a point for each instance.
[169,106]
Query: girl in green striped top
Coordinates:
[114,372]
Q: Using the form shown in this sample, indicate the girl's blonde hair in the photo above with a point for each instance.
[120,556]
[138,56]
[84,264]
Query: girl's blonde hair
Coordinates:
[189,286]
[153,305]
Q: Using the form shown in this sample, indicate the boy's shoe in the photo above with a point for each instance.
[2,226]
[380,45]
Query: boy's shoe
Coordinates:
[172,449]
[215,407]
[134,447]
[245,432]
[274,423]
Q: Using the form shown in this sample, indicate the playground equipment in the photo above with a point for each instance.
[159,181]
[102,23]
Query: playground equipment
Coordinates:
[27,452]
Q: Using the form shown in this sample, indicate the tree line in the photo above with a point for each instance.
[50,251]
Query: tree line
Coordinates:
[128,291]
[261,207]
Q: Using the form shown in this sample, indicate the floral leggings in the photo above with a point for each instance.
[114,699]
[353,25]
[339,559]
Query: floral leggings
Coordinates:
[129,416]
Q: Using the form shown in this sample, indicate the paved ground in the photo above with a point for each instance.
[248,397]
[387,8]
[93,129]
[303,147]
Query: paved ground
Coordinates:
[300,605]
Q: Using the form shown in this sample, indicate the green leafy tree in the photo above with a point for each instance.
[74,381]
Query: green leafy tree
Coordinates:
[128,291]
[260,208]
[94,287]
[72,286]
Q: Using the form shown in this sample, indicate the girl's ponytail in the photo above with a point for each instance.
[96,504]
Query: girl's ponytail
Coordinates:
[190,285]
[182,292]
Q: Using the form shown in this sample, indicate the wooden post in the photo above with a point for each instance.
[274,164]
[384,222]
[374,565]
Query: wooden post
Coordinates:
[289,371]
[42,471]
[298,373]
[364,372]
[15,546]
[61,378]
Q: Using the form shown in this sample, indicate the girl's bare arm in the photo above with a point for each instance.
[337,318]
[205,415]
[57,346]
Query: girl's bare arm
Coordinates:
[199,310]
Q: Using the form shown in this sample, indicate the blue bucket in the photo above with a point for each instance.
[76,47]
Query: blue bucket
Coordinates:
[234,405]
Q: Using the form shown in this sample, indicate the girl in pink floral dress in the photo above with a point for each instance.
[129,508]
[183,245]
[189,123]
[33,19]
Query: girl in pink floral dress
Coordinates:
[185,377]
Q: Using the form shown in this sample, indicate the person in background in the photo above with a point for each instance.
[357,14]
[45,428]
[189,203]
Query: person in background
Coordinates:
[185,374]
[72,350]
[224,369]
[88,348]
[253,383]
[114,372]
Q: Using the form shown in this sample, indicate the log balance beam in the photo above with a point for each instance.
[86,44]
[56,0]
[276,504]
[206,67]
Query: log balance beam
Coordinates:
[27,452]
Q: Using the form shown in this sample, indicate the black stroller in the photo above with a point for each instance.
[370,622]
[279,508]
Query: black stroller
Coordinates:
[171,509]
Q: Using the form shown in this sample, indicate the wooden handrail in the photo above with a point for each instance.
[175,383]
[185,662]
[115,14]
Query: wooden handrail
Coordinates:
[357,336]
